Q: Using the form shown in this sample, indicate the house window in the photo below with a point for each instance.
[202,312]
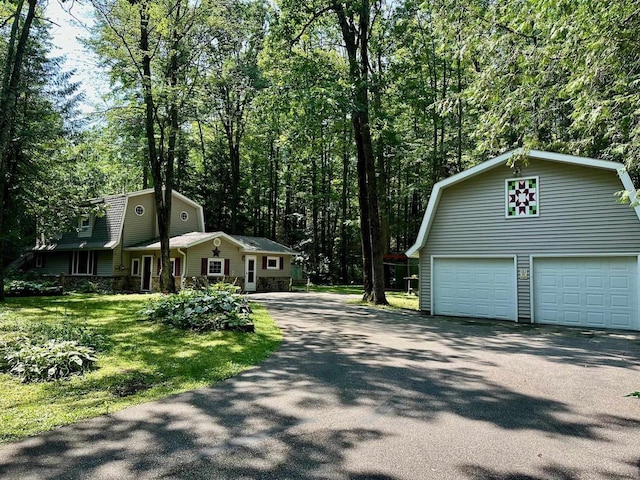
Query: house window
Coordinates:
[273,263]
[215,267]
[522,197]
[135,267]
[184,216]
[84,226]
[139,210]
[83,263]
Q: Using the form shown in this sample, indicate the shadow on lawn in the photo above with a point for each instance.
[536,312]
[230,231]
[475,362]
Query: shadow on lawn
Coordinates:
[248,427]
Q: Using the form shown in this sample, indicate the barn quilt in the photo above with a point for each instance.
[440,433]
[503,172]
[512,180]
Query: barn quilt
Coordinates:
[522,197]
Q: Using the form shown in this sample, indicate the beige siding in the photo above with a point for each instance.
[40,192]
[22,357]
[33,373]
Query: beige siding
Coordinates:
[285,272]
[579,213]
[178,226]
[204,250]
[139,228]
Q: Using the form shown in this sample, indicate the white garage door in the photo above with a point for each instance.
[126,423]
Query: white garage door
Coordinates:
[589,292]
[475,287]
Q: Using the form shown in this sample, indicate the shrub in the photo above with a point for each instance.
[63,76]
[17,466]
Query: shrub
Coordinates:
[49,361]
[40,333]
[201,310]
[31,288]
[44,351]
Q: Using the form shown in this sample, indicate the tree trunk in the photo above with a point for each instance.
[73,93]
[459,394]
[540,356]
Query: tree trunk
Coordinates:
[162,198]
[359,73]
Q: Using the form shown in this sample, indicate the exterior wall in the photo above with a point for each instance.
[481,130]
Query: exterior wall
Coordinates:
[138,228]
[105,263]
[56,263]
[178,226]
[204,250]
[579,213]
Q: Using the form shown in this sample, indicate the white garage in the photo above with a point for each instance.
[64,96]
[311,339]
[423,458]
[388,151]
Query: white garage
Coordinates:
[475,287]
[600,292]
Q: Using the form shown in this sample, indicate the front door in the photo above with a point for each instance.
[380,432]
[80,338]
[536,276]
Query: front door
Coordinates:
[250,273]
[145,283]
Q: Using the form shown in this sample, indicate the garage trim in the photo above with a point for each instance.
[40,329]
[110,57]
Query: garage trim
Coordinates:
[575,255]
[457,257]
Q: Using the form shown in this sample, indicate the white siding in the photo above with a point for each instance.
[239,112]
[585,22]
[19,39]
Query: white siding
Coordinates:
[579,213]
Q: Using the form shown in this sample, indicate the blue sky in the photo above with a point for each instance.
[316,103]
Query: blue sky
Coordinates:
[70,22]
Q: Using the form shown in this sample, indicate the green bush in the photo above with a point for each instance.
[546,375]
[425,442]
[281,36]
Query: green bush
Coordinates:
[31,288]
[44,351]
[208,309]
[40,333]
[49,361]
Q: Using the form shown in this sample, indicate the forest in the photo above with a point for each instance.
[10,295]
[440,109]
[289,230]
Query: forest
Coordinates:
[321,124]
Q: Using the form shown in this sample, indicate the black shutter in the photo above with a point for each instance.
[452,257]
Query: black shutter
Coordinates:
[226,266]
[281,263]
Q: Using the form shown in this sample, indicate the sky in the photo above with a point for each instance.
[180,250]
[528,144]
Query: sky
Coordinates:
[66,29]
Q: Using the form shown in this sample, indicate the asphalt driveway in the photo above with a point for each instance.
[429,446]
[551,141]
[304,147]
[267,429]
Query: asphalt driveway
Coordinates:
[360,393]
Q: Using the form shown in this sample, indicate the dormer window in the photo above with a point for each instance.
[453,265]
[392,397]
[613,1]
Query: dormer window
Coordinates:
[84,226]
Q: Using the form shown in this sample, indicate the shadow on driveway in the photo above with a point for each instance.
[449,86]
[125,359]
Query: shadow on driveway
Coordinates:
[356,392]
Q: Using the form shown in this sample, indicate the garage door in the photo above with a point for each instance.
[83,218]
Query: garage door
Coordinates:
[590,292]
[475,287]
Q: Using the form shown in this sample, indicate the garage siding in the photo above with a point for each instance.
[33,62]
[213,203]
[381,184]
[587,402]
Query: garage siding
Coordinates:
[579,213]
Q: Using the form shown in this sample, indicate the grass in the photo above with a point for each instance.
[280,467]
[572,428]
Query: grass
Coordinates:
[397,300]
[143,361]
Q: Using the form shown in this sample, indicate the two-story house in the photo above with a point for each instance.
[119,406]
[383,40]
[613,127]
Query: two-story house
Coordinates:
[120,249]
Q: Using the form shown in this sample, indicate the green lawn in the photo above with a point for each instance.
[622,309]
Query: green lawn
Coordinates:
[142,361]
[396,299]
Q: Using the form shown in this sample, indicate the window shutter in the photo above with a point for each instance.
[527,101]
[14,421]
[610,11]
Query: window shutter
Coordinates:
[159,266]
[203,267]
[42,257]
[264,262]
[226,266]
[70,263]
[177,260]
[281,263]
[94,256]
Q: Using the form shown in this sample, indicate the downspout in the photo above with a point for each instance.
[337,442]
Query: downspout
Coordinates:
[184,267]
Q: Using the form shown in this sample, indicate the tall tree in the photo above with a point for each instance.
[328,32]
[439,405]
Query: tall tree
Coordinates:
[147,44]
[14,57]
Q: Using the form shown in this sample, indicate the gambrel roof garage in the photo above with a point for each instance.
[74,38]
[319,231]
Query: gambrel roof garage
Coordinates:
[544,240]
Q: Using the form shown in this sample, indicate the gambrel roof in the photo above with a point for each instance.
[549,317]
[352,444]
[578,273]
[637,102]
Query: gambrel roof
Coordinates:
[504,159]
[106,229]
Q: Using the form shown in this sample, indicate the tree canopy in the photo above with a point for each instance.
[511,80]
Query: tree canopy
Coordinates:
[321,124]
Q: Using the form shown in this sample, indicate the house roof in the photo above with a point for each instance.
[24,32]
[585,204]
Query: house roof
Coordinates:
[504,159]
[245,243]
[106,229]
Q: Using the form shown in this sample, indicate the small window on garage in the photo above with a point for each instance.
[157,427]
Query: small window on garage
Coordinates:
[139,210]
[273,263]
[184,216]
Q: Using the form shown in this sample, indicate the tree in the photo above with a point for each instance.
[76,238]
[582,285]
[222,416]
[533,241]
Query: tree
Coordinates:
[148,44]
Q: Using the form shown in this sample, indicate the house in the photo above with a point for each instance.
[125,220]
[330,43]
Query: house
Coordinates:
[544,240]
[120,250]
